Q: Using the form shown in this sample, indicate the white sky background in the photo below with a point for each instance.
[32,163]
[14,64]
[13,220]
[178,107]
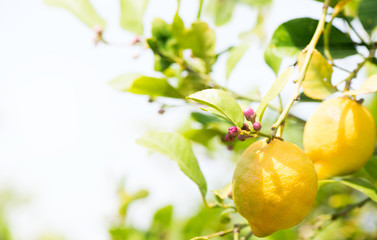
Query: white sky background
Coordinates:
[67,138]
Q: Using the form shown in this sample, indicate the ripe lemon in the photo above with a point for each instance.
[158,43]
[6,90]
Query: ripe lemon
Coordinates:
[339,137]
[274,186]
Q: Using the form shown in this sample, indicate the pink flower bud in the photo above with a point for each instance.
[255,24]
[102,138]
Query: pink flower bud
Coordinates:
[228,138]
[233,131]
[242,138]
[98,29]
[249,114]
[135,40]
[257,126]
[245,127]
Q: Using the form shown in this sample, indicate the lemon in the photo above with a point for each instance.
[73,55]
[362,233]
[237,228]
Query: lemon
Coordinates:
[274,186]
[339,137]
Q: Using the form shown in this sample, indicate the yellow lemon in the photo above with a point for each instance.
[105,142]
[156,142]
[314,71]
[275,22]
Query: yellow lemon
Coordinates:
[274,186]
[339,137]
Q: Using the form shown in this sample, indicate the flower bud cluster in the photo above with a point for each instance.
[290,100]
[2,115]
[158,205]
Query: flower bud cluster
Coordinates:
[244,133]
[250,116]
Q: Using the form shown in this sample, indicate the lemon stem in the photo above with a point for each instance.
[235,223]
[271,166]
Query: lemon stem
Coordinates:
[309,50]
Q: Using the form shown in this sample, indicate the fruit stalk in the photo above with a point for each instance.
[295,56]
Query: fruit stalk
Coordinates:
[309,50]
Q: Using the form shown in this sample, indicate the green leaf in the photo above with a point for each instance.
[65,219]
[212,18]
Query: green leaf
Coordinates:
[201,39]
[272,60]
[82,9]
[369,86]
[204,222]
[351,8]
[222,102]
[367,13]
[162,219]
[161,30]
[371,104]
[275,89]
[256,3]
[304,98]
[371,167]
[178,149]
[123,232]
[332,2]
[217,114]
[291,37]
[234,56]
[317,81]
[126,199]
[131,15]
[138,84]
[190,84]
[370,68]
[293,132]
[221,10]
[204,119]
[358,184]
[202,136]
[223,193]
[178,28]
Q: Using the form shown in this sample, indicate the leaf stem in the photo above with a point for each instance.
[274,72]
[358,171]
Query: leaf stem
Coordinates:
[200,9]
[309,50]
[326,33]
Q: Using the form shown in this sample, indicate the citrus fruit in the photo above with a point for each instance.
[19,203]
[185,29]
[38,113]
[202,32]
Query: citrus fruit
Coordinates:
[274,186]
[339,137]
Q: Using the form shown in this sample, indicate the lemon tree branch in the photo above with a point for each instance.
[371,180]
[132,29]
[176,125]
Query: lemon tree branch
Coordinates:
[353,74]
[326,33]
[341,213]
[309,50]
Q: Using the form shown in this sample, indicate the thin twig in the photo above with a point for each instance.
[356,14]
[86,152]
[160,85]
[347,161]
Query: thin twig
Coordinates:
[341,68]
[363,42]
[200,9]
[309,52]
[353,74]
[341,213]
[326,33]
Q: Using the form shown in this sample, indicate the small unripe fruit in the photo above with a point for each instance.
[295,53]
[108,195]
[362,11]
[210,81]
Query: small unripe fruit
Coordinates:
[249,114]
[257,126]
